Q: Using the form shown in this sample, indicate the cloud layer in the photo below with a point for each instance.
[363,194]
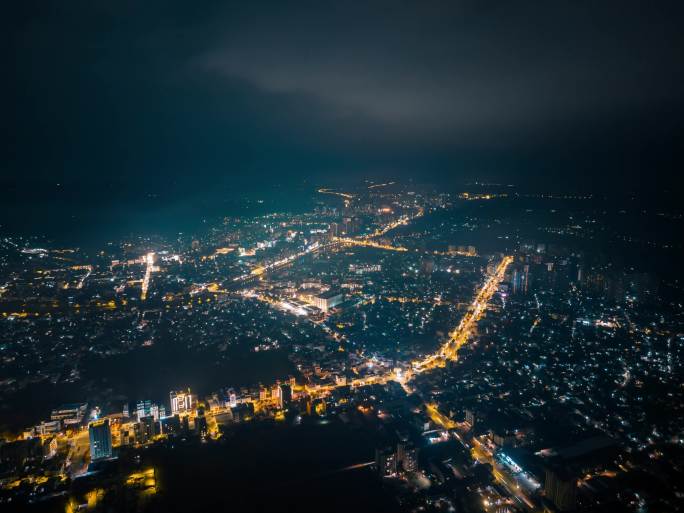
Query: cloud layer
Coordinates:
[521,90]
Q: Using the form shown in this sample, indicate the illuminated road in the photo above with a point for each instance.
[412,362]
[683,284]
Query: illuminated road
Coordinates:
[448,351]
[283,262]
[402,221]
[78,456]
[458,337]
[362,241]
[85,277]
[439,418]
[149,259]
[368,243]
[483,455]
[335,193]
[375,186]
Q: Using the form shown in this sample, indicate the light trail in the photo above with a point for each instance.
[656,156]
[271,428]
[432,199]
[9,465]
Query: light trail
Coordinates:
[335,193]
[375,186]
[357,466]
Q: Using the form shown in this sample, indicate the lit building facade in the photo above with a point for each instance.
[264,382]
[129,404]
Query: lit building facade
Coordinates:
[100,440]
[181,401]
[328,300]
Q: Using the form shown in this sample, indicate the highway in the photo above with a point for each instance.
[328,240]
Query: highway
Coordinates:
[368,243]
[335,193]
[363,240]
[448,351]
[460,335]
[149,259]
[402,221]
[457,338]
[283,262]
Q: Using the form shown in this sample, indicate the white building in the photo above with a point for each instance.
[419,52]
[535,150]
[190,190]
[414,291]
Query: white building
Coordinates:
[181,401]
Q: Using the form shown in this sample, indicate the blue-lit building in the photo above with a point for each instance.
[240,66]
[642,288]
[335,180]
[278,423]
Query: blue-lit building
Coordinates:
[100,440]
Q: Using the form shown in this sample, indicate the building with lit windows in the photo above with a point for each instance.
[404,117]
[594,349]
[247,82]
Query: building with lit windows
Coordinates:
[100,440]
[328,300]
[285,395]
[386,461]
[181,401]
[143,408]
[70,414]
[560,487]
[407,456]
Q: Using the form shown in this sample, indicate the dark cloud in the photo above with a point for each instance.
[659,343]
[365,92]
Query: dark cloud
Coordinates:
[461,72]
[166,92]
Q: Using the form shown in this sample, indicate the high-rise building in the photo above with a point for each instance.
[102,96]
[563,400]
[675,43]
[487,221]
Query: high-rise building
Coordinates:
[100,440]
[201,423]
[181,401]
[470,417]
[70,414]
[285,395]
[386,461]
[560,487]
[232,398]
[127,434]
[170,425]
[407,456]
[143,408]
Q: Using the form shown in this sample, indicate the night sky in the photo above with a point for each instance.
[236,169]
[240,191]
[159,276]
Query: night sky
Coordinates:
[111,98]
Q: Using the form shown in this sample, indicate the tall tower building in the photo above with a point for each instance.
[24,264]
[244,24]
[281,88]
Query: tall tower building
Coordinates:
[143,408]
[100,440]
[181,401]
[560,487]
[386,461]
[407,456]
[285,395]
